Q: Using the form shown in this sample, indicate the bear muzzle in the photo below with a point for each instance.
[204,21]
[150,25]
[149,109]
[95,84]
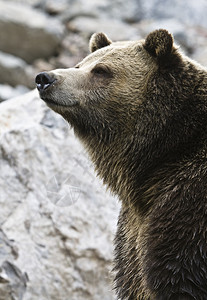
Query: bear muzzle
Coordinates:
[44,81]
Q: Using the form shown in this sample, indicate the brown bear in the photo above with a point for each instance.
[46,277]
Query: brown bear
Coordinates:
[140,109]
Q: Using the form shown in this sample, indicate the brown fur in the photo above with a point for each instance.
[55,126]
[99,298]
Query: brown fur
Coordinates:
[140,109]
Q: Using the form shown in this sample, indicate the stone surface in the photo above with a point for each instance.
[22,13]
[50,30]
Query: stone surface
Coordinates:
[74,49]
[115,29]
[201,56]
[116,9]
[8,92]
[30,2]
[55,7]
[28,33]
[15,71]
[55,211]
[12,281]
[186,11]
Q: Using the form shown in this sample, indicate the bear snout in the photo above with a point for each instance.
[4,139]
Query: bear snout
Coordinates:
[43,81]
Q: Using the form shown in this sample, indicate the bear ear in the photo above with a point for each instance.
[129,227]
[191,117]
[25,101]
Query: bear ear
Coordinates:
[98,41]
[159,44]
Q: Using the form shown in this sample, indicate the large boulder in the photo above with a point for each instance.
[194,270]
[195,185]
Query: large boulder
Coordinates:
[27,32]
[116,9]
[54,211]
[12,281]
[8,92]
[186,11]
[115,29]
[15,71]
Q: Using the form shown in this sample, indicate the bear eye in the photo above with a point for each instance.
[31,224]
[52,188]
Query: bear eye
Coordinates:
[102,70]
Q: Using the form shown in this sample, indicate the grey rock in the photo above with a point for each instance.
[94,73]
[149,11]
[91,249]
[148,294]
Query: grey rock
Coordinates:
[55,7]
[129,11]
[28,33]
[53,208]
[201,56]
[115,29]
[199,36]
[74,49]
[8,92]
[30,2]
[186,11]
[15,71]
[117,9]
[12,281]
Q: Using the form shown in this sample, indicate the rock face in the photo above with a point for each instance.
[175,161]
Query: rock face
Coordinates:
[28,33]
[103,9]
[7,92]
[187,11]
[117,30]
[12,280]
[15,71]
[57,221]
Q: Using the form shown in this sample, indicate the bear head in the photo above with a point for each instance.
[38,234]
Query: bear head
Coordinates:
[109,84]
[134,97]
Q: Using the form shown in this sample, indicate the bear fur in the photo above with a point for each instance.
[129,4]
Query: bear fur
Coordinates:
[140,109]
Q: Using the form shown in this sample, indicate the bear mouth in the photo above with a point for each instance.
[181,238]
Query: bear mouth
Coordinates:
[52,103]
[49,101]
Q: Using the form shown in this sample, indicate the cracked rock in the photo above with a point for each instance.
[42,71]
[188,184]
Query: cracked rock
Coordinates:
[31,33]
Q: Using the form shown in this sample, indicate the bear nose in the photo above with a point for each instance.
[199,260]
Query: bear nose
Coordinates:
[43,81]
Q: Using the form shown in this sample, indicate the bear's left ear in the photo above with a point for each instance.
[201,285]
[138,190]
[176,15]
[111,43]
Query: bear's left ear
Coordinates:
[98,41]
[159,44]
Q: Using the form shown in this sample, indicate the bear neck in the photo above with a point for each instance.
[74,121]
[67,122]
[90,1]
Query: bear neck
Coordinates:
[126,166]
[130,170]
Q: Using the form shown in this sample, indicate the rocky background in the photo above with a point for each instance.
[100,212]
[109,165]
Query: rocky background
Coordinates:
[57,221]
